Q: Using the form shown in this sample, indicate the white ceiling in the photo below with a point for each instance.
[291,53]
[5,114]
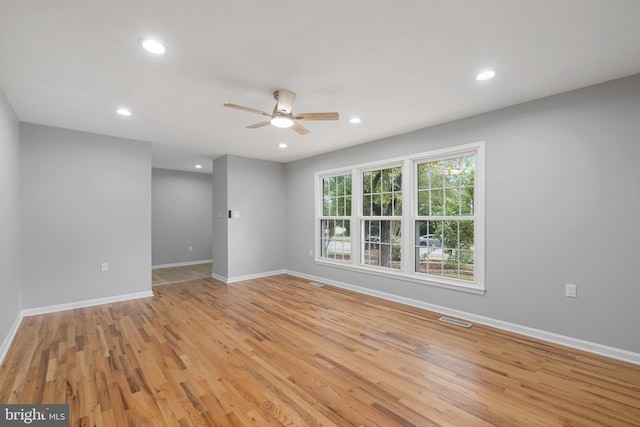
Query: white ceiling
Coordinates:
[401,65]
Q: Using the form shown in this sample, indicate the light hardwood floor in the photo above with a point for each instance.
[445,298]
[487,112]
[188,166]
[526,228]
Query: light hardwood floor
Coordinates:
[278,351]
[163,276]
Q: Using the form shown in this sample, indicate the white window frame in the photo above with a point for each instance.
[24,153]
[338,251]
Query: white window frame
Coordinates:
[319,196]
[409,217]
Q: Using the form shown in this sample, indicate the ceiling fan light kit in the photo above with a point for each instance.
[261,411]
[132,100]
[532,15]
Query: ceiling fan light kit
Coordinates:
[282,115]
[282,122]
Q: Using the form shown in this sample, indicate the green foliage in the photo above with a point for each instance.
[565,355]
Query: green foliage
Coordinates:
[382,192]
[396,245]
[336,195]
[446,187]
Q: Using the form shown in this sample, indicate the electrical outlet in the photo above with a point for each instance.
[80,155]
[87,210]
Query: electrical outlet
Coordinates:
[104,267]
[310,252]
[570,290]
[190,249]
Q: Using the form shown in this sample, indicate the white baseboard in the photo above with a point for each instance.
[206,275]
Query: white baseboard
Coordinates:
[181,264]
[603,350]
[223,279]
[10,336]
[254,276]
[86,303]
[229,280]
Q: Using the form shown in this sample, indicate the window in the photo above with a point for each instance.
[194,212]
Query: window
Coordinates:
[417,218]
[381,217]
[335,222]
[444,221]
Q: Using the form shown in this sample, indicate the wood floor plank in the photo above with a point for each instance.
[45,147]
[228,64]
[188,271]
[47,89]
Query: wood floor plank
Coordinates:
[279,352]
[163,276]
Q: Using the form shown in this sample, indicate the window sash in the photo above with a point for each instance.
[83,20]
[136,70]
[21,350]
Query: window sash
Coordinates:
[335,240]
[335,217]
[445,219]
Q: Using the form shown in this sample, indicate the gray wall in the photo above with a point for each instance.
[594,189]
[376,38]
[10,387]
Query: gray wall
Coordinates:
[10,300]
[86,199]
[181,204]
[255,242]
[219,233]
[257,238]
[562,206]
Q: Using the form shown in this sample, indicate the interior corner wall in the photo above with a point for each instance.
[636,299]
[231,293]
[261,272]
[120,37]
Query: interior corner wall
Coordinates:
[10,279]
[562,206]
[219,229]
[252,244]
[257,238]
[181,206]
[86,200]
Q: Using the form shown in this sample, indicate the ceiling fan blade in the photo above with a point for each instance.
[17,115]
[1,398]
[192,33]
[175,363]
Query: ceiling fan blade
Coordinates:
[285,100]
[251,110]
[300,129]
[258,125]
[317,116]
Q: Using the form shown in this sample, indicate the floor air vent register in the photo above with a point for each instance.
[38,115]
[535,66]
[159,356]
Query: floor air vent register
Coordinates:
[316,284]
[455,322]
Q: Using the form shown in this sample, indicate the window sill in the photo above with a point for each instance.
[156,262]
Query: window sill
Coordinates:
[452,284]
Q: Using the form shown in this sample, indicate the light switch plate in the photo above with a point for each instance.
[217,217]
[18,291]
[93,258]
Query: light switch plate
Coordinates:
[570,290]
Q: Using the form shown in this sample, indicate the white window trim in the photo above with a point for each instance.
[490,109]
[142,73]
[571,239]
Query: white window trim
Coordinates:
[407,273]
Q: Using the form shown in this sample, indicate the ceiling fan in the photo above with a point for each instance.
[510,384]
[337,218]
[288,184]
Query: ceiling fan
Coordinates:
[282,115]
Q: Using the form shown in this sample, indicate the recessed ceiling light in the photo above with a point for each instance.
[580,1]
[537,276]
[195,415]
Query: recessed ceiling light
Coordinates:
[486,75]
[153,46]
[123,112]
[355,120]
[282,145]
[198,166]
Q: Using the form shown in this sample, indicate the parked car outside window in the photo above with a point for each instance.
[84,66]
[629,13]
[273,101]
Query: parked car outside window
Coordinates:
[429,240]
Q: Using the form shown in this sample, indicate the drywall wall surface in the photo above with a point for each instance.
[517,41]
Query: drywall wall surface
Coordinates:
[86,200]
[10,302]
[181,206]
[562,206]
[219,230]
[257,238]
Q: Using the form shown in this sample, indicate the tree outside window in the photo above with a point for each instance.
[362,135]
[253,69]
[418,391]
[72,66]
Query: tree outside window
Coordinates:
[382,217]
